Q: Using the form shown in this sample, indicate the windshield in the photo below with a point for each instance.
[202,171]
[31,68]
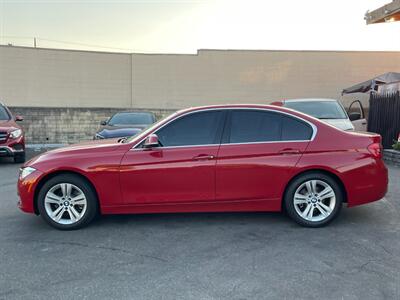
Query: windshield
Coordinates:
[4,116]
[131,119]
[319,109]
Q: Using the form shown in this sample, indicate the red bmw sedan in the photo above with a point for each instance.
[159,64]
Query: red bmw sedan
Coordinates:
[210,159]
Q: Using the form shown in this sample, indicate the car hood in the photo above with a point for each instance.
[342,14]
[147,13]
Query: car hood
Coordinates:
[77,149]
[120,131]
[8,126]
[343,124]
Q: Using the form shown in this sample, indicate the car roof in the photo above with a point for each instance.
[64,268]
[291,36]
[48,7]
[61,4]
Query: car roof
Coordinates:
[134,112]
[243,106]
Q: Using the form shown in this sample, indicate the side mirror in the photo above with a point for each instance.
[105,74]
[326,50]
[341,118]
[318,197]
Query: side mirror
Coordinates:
[103,123]
[151,141]
[355,116]
[19,118]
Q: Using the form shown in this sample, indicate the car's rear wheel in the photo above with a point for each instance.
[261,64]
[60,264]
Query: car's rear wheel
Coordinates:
[313,199]
[67,202]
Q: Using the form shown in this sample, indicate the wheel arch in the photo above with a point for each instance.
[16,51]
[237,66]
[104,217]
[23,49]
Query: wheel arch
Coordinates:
[54,174]
[329,173]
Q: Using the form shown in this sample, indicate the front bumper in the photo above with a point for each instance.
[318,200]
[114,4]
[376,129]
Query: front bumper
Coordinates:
[9,151]
[13,147]
[26,191]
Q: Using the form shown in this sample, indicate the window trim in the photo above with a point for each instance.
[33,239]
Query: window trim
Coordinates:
[225,116]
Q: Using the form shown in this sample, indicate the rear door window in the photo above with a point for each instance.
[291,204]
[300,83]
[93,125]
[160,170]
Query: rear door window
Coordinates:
[254,126]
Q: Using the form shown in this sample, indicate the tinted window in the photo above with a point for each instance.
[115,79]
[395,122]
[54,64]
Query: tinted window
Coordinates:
[295,130]
[194,129]
[259,126]
[254,126]
[319,109]
[131,119]
[3,114]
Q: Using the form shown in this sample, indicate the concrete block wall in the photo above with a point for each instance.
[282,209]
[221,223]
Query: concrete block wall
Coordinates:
[51,125]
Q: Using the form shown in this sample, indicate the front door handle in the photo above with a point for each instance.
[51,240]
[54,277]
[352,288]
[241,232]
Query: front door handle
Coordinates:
[289,151]
[203,157]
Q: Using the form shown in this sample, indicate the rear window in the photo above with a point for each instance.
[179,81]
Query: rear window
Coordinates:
[131,119]
[4,116]
[319,109]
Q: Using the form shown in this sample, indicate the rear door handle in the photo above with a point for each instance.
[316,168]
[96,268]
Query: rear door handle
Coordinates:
[203,157]
[289,151]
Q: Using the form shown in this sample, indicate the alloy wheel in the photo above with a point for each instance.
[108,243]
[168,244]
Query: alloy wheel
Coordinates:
[65,203]
[314,200]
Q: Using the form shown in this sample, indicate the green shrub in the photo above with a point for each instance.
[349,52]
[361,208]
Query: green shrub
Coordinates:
[396,145]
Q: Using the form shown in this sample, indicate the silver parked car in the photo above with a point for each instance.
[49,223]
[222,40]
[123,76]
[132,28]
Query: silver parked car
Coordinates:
[330,111]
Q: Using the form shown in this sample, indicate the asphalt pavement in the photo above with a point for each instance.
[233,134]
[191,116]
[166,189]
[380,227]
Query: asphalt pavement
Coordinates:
[201,256]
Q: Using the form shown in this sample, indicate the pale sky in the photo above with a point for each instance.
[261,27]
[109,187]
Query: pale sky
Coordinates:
[184,26]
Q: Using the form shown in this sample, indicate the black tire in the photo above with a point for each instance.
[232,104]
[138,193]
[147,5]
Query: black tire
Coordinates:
[19,158]
[84,186]
[296,183]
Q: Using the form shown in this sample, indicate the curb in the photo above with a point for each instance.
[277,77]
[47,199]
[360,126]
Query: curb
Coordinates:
[38,146]
[391,156]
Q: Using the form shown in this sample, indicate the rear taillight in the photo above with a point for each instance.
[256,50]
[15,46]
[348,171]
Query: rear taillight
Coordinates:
[375,149]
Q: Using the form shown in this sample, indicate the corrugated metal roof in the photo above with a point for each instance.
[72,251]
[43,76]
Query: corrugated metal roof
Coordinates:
[387,13]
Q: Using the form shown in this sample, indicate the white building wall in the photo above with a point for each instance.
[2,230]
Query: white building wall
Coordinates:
[60,78]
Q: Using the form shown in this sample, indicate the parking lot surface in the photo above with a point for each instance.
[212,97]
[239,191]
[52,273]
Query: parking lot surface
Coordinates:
[201,256]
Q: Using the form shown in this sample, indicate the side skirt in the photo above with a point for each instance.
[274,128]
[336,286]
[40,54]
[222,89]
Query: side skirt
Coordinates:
[226,206]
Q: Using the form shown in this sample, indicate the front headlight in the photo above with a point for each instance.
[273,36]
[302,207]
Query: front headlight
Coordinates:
[16,133]
[99,136]
[23,172]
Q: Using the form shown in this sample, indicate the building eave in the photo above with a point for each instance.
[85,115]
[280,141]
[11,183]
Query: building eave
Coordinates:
[387,13]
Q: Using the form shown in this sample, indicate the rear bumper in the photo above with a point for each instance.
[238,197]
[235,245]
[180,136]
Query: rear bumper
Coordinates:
[372,183]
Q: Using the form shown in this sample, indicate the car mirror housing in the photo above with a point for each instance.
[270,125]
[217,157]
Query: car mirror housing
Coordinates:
[103,123]
[19,118]
[355,116]
[151,141]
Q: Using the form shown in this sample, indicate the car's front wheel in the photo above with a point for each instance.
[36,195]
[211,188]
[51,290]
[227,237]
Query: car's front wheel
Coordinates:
[313,199]
[67,202]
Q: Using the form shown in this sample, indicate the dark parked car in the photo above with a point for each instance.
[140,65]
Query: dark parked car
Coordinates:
[12,140]
[124,124]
